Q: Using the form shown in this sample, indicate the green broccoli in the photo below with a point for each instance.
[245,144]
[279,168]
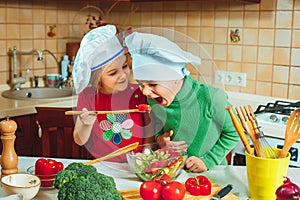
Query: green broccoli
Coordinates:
[83,182]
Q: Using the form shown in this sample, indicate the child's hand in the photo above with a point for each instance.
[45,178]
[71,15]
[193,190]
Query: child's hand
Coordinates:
[165,140]
[86,118]
[195,164]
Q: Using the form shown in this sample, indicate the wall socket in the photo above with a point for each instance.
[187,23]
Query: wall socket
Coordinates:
[230,78]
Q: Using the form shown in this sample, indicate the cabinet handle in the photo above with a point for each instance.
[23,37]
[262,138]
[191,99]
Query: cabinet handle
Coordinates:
[39,129]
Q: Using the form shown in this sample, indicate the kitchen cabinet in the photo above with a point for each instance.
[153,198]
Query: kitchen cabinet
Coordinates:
[56,134]
[26,137]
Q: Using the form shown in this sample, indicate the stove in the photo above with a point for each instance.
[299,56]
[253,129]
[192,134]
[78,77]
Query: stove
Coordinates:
[272,119]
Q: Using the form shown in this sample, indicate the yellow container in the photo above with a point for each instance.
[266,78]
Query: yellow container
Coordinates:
[265,175]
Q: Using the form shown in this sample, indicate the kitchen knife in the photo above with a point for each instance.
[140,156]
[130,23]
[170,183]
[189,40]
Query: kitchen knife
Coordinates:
[225,190]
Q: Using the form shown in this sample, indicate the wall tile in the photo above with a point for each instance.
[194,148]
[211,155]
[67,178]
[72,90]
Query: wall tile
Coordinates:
[263,88]
[181,19]
[267,4]
[280,90]
[26,15]
[266,37]
[38,16]
[294,92]
[221,35]
[264,72]
[267,19]
[168,18]
[207,19]
[250,70]
[221,19]
[284,4]
[2,15]
[251,19]
[220,52]
[265,55]
[236,19]
[296,38]
[51,16]
[26,31]
[281,74]
[3,31]
[296,19]
[283,38]
[206,35]
[193,18]
[249,54]
[284,19]
[295,60]
[281,56]
[234,53]
[250,36]
[13,15]
[13,31]
[294,75]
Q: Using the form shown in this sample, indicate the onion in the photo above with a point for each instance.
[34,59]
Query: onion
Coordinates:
[288,191]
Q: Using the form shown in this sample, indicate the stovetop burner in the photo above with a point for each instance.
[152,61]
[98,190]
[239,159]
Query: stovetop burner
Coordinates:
[278,107]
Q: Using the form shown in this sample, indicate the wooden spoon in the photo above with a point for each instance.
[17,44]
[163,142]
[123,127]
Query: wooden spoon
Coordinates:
[238,127]
[115,153]
[292,132]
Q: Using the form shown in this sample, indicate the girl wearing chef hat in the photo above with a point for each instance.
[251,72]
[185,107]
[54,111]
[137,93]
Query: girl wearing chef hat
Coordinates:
[191,113]
[101,80]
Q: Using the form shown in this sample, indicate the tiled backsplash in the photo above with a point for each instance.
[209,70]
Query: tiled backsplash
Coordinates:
[268,50]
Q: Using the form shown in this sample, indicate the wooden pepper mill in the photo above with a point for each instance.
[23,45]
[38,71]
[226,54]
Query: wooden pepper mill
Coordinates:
[9,158]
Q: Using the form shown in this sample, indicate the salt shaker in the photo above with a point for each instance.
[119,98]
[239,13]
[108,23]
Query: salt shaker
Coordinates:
[9,158]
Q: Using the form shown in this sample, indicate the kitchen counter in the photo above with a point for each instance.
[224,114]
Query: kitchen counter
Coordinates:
[125,179]
[12,108]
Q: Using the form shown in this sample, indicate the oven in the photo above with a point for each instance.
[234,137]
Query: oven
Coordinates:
[272,119]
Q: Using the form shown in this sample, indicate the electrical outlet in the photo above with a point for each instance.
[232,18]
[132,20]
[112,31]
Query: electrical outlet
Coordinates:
[230,78]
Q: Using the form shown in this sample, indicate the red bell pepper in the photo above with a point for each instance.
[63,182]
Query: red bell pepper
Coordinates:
[199,185]
[46,170]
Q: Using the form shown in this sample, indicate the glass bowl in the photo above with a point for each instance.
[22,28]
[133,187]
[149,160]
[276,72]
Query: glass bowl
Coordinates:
[154,161]
[46,180]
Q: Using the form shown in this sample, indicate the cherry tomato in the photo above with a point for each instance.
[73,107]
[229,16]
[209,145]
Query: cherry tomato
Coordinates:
[173,191]
[150,190]
[162,179]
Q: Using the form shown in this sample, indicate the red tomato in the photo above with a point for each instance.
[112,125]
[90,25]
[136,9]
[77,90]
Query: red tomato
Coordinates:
[173,191]
[150,190]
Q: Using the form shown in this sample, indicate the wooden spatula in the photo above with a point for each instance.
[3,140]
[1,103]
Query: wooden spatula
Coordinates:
[292,132]
[113,154]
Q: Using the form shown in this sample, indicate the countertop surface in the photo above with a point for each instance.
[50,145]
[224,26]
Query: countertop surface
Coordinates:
[12,108]
[125,179]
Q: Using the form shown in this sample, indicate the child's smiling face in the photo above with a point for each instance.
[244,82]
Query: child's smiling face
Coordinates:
[162,92]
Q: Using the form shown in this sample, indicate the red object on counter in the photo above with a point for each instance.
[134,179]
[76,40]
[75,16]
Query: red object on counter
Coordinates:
[46,170]
[199,185]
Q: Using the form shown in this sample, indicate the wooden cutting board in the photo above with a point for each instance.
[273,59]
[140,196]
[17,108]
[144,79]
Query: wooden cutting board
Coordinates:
[134,194]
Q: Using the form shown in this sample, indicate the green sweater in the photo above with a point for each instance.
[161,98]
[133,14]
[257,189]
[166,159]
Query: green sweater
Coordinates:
[198,116]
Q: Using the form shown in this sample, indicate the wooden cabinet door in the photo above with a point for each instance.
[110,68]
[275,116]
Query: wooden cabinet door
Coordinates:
[25,136]
[57,134]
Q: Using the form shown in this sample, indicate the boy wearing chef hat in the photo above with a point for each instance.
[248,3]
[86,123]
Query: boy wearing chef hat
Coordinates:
[191,114]
[101,80]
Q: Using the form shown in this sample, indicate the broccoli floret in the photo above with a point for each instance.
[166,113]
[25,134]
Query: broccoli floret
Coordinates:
[83,182]
[64,177]
[75,166]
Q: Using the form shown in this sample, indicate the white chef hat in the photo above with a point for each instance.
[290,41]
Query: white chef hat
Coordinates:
[98,47]
[157,58]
